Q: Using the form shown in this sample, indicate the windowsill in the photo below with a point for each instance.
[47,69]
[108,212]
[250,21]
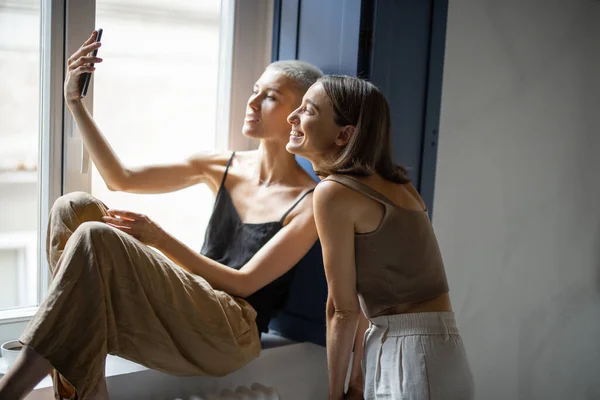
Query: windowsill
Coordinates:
[114,366]
[120,366]
[12,316]
[18,176]
[304,378]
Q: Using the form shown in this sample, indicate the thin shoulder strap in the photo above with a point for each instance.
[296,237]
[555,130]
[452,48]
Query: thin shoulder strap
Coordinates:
[227,168]
[295,204]
[359,187]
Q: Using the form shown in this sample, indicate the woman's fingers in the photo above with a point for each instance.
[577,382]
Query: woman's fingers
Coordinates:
[91,38]
[83,69]
[87,46]
[85,60]
[137,225]
[130,231]
[126,214]
[126,223]
[79,63]
[82,52]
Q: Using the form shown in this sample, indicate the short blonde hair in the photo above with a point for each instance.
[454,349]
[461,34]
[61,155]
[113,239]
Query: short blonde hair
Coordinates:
[303,74]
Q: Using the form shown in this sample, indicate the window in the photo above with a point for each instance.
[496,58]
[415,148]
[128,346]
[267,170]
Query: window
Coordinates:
[180,70]
[155,99]
[18,269]
[20,60]
[31,65]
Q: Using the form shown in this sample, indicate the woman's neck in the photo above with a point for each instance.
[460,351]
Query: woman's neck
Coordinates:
[275,164]
[320,163]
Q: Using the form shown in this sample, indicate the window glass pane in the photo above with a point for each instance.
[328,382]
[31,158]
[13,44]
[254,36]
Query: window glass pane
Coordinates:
[155,99]
[19,148]
[9,263]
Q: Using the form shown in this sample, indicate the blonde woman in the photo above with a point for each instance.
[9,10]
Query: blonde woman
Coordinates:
[188,313]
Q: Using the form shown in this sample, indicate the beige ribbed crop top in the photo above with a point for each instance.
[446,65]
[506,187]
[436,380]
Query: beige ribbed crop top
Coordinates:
[398,263]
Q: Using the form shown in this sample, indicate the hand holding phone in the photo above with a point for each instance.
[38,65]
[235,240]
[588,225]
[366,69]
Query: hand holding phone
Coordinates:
[80,67]
[88,75]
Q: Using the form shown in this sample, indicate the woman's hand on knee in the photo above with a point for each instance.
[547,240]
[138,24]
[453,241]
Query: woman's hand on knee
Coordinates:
[137,225]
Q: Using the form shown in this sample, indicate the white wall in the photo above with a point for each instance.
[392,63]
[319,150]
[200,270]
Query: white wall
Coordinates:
[517,197]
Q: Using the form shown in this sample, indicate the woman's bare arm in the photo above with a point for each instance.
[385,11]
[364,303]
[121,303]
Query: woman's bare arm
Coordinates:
[149,179]
[275,258]
[336,232]
[356,382]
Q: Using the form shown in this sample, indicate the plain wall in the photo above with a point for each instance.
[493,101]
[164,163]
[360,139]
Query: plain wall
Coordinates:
[517,194]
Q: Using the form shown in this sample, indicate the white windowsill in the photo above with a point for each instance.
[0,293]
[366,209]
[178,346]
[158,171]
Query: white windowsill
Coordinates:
[18,177]
[303,376]
[119,366]
[22,314]
[114,366]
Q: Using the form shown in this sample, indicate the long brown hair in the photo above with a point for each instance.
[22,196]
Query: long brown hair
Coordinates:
[361,104]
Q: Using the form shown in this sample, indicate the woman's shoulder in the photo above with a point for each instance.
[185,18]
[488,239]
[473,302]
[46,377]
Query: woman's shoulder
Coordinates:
[355,194]
[341,187]
[212,164]
[331,194]
[210,159]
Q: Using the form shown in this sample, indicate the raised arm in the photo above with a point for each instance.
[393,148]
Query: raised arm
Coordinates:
[336,232]
[149,179]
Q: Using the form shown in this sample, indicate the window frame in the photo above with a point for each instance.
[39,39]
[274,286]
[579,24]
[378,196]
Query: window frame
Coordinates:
[253,24]
[49,177]
[245,51]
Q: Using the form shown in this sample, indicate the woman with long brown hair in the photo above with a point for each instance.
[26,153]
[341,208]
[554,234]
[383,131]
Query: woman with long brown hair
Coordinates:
[380,252]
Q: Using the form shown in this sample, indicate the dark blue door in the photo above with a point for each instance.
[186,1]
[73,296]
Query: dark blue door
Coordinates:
[399,46]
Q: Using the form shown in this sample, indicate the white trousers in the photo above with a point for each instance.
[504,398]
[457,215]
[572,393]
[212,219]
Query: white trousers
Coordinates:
[417,356]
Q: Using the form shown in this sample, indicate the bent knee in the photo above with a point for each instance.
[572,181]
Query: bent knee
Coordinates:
[96,236]
[74,198]
[95,229]
[77,202]
[90,240]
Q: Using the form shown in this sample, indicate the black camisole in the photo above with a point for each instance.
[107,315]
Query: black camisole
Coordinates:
[231,242]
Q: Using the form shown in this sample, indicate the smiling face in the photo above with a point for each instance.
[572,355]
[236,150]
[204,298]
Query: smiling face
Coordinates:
[315,134]
[274,97]
[343,126]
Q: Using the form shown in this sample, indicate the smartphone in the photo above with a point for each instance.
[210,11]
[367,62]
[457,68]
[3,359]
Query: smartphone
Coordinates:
[88,76]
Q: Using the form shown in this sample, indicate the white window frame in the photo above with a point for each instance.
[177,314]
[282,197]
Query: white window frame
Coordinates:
[51,125]
[12,322]
[245,52]
[247,44]
[79,23]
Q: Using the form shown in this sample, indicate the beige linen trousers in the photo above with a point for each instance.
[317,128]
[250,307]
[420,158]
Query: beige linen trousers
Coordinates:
[112,294]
